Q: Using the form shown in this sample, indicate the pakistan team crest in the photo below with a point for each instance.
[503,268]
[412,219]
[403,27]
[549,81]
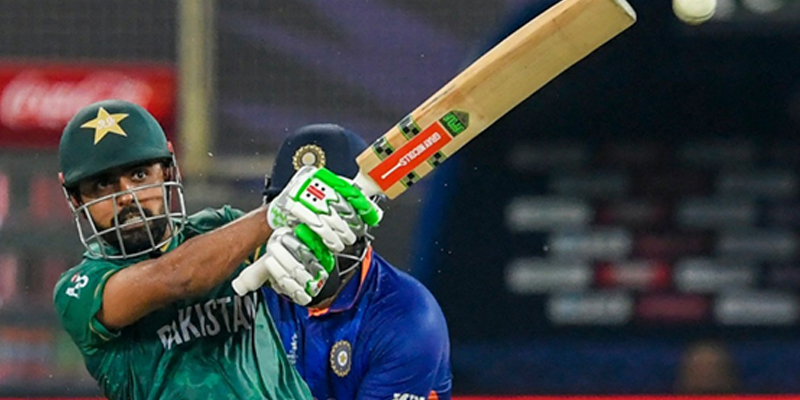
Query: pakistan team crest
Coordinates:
[341,358]
[309,154]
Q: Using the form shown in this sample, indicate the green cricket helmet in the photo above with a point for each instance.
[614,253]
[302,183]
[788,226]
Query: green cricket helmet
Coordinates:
[109,135]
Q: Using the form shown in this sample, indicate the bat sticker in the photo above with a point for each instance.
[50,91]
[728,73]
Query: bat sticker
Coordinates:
[382,148]
[455,122]
[408,157]
[409,127]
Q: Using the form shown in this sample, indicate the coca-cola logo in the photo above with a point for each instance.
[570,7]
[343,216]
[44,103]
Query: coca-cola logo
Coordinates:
[32,100]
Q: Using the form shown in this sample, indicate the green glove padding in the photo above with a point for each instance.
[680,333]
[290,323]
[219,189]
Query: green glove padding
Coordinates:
[364,207]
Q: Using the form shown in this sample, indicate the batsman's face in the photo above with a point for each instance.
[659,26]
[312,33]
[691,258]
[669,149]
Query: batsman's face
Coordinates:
[123,199]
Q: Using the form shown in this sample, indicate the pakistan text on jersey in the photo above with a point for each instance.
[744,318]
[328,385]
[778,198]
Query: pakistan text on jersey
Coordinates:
[225,314]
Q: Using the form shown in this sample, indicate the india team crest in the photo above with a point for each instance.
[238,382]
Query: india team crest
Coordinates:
[309,154]
[341,358]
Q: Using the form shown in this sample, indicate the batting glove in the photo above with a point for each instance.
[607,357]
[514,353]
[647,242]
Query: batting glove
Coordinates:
[289,266]
[331,206]
[317,214]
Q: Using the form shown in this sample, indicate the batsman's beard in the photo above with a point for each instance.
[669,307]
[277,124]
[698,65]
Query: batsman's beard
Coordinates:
[135,237]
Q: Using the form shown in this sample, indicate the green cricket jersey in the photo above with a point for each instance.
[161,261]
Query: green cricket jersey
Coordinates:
[219,346]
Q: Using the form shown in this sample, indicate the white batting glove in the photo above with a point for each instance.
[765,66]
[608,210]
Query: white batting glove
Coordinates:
[330,205]
[289,267]
[317,214]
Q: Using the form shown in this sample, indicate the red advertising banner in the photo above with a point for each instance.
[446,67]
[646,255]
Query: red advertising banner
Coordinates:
[38,99]
[632,397]
[603,397]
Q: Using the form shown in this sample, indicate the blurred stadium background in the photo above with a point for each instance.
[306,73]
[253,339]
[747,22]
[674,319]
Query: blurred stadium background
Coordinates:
[645,201]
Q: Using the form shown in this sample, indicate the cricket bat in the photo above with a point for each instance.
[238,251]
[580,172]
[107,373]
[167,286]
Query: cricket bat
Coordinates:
[487,89]
[478,96]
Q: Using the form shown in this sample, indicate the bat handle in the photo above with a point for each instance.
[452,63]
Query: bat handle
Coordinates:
[367,185]
[251,278]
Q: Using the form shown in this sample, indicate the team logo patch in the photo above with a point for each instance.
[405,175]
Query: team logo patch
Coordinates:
[341,358]
[309,154]
[104,124]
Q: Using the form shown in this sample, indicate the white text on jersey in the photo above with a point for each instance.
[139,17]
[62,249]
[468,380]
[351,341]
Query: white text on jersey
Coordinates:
[229,314]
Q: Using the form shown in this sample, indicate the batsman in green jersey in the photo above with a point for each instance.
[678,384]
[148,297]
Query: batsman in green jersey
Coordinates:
[151,306]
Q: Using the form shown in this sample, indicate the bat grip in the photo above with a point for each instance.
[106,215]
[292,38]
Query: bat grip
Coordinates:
[251,278]
[367,185]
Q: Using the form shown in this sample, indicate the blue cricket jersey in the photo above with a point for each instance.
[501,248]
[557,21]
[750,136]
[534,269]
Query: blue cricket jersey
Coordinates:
[383,338]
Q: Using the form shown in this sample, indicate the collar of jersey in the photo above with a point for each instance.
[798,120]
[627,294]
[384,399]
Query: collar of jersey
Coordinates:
[347,298]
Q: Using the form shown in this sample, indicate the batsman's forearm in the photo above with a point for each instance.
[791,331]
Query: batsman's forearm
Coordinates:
[190,270]
[205,261]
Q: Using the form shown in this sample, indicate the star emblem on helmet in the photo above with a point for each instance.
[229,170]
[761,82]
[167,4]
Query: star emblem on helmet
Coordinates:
[104,124]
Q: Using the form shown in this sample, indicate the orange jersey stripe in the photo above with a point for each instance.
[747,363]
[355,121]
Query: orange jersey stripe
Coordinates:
[316,312]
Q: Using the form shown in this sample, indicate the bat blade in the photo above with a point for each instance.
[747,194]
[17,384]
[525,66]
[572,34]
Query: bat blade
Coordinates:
[489,88]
